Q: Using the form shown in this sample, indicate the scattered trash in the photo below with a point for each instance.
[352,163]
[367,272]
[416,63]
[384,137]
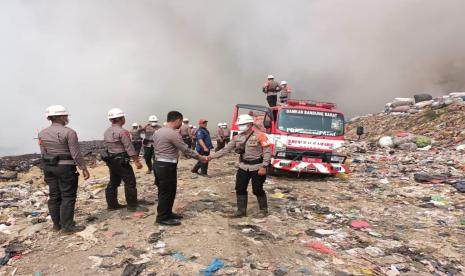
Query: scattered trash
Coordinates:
[359,224]
[180,257]
[304,271]
[133,269]
[318,246]
[214,266]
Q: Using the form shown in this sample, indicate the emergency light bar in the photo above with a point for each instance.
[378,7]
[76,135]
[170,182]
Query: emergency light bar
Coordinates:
[311,104]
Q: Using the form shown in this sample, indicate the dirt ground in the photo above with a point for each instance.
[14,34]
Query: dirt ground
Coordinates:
[310,229]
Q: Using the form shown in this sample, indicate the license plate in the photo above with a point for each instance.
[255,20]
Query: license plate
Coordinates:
[311,160]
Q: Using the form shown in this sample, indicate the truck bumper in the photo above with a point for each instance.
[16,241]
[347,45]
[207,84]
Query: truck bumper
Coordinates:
[304,167]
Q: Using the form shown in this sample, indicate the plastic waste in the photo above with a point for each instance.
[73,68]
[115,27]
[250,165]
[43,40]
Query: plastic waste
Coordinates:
[386,142]
[133,269]
[318,246]
[214,266]
[359,224]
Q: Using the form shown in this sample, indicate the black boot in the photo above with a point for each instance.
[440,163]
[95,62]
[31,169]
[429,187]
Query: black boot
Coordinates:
[263,205]
[241,207]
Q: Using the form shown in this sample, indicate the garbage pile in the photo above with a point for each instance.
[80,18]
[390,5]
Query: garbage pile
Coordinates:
[10,166]
[443,127]
[422,101]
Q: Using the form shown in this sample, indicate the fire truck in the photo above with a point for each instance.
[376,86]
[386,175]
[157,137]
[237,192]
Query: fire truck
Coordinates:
[305,135]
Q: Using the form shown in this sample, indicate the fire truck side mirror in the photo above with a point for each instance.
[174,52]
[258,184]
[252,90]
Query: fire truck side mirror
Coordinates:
[360,130]
[267,124]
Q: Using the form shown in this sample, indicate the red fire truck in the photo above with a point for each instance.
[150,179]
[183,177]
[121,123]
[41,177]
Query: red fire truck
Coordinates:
[304,135]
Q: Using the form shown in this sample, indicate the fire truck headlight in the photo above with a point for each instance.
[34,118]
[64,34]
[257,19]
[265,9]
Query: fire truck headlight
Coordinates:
[337,159]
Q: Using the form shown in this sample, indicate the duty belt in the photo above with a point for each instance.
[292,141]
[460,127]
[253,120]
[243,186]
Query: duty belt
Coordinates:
[251,162]
[148,140]
[174,161]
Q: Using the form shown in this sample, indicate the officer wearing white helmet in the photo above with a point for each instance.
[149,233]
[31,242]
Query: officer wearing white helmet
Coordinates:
[136,137]
[192,134]
[184,131]
[119,152]
[149,130]
[220,141]
[226,133]
[61,154]
[285,92]
[255,155]
[271,89]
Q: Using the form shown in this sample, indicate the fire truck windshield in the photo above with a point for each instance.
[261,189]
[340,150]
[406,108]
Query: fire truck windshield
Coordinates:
[311,122]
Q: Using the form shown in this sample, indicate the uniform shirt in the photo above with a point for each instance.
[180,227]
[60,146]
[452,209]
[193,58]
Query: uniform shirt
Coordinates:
[257,146]
[149,131]
[204,134]
[220,133]
[58,139]
[226,132]
[191,133]
[184,130]
[285,92]
[168,142]
[117,140]
[271,87]
[136,134]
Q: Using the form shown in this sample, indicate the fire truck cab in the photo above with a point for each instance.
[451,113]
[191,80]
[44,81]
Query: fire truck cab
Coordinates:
[304,135]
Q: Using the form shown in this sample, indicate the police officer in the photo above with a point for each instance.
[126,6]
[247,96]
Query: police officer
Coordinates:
[120,150]
[184,130]
[149,130]
[167,143]
[226,133]
[136,138]
[255,156]
[203,147]
[194,136]
[60,155]
[285,92]
[220,141]
[271,89]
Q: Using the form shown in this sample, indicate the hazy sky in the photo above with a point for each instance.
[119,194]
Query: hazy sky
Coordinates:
[202,57]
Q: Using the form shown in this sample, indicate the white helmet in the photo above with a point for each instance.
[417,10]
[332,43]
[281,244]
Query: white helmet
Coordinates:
[194,127]
[283,82]
[185,120]
[56,110]
[153,118]
[220,124]
[115,113]
[244,119]
[191,126]
[225,124]
[135,125]
[270,77]
[164,124]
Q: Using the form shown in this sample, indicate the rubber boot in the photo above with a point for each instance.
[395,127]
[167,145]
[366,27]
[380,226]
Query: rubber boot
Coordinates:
[241,207]
[263,205]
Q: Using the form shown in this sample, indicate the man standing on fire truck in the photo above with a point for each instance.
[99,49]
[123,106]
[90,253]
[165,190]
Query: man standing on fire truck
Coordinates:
[285,92]
[271,89]
[255,155]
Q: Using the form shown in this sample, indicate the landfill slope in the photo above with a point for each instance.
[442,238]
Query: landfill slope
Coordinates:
[446,125]
[376,221]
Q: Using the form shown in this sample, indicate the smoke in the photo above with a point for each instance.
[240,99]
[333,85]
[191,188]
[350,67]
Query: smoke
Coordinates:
[202,57]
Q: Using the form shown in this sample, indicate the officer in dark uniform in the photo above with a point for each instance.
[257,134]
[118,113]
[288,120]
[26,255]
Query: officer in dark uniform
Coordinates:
[60,154]
[119,151]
